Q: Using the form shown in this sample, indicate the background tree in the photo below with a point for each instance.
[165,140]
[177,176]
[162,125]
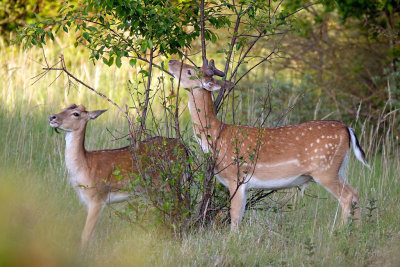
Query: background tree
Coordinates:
[351,51]
[16,13]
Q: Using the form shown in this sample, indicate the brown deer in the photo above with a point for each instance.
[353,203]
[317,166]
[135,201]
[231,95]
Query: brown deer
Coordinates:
[102,176]
[271,158]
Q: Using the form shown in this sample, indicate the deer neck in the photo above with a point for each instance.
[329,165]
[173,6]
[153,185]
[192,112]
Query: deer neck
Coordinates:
[201,109]
[75,153]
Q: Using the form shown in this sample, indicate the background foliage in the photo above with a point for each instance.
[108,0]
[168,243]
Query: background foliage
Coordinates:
[16,13]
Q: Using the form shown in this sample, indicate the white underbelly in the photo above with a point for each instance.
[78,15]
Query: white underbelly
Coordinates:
[294,181]
[116,197]
[221,180]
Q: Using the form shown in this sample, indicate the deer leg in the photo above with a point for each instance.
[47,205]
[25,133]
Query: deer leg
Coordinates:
[344,193]
[357,211]
[238,204]
[94,210]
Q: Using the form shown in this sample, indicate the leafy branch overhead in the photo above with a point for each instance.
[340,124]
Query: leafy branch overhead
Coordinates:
[115,29]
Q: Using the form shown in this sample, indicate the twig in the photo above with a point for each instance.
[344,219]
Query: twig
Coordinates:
[203,40]
[146,101]
[304,7]
[64,69]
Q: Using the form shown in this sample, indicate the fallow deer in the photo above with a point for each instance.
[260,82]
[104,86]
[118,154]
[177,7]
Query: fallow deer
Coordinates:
[270,158]
[102,176]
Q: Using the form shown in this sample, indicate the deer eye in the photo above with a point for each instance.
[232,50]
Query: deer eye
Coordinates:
[76,114]
[189,72]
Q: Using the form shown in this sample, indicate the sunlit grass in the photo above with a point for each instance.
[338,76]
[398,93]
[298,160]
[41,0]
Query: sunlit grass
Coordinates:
[42,217]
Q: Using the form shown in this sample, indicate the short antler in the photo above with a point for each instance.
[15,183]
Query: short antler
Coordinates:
[211,70]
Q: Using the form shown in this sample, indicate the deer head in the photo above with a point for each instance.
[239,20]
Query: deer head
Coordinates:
[194,78]
[73,118]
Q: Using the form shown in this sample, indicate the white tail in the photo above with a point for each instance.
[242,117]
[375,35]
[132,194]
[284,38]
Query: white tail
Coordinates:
[93,173]
[358,152]
[270,158]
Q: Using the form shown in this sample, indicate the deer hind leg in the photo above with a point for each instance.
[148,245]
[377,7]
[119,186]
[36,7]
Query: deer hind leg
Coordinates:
[355,208]
[238,204]
[344,193]
[94,210]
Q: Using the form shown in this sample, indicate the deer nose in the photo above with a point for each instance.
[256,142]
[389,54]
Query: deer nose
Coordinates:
[52,117]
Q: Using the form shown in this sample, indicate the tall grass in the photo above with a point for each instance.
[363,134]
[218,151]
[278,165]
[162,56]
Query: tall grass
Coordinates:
[41,217]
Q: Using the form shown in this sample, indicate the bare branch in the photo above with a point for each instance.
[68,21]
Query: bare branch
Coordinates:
[256,65]
[146,101]
[203,40]
[64,69]
[277,8]
[304,7]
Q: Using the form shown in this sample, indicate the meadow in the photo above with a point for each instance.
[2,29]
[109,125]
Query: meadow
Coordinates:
[42,218]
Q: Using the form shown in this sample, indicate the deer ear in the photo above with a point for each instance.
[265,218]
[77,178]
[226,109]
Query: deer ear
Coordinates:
[217,84]
[212,85]
[95,113]
[228,84]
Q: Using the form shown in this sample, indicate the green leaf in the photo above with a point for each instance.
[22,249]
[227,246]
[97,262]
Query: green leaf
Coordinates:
[91,28]
[50,34]
[145,73]
[150,44]
[213,37]
[110,61]
[118,62]
[144,47]
[86,36]
[238,46]
[132,62]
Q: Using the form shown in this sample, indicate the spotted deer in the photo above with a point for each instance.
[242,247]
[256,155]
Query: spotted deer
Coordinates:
[102,176]
[270,158]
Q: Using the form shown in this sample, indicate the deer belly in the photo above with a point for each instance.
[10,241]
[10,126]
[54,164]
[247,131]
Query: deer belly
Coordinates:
[221,180]
[116,197]
[280,183]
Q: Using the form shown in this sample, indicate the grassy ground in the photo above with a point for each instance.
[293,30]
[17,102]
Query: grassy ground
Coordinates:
[42,218]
